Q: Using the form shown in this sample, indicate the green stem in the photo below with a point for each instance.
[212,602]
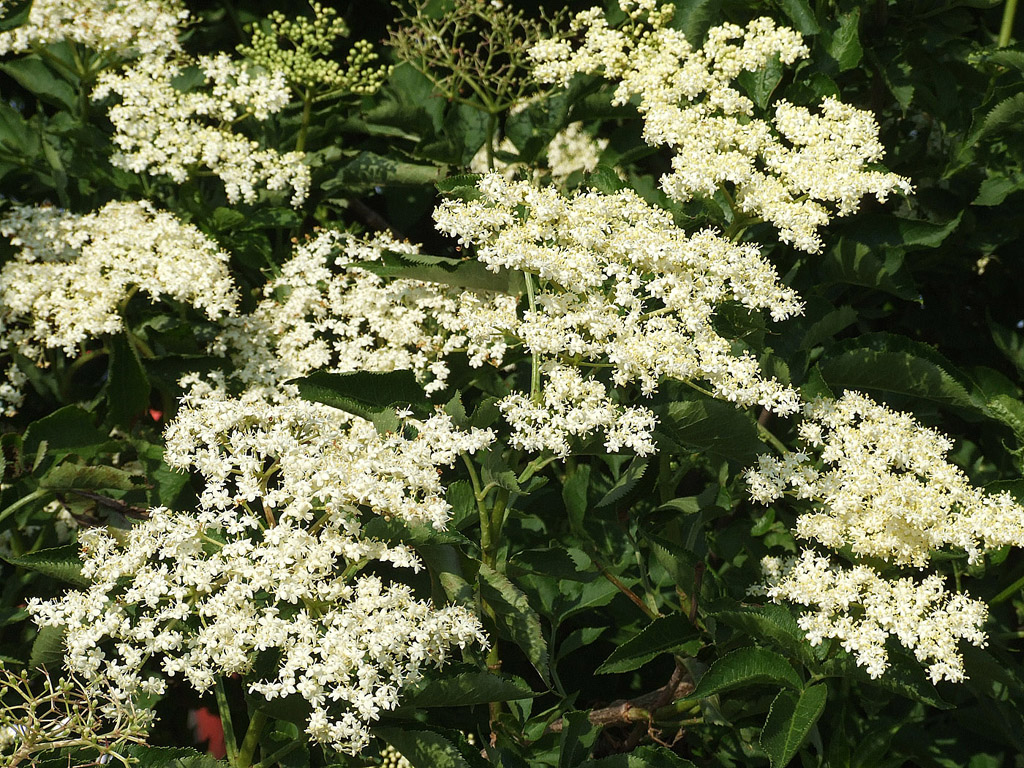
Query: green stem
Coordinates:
[481,508]
[1006,29]
[230,744]
[36,494]
[534,357]
[251,740]
[771,439]
[275,756]
[492,129]
[1009,592]
[307,111]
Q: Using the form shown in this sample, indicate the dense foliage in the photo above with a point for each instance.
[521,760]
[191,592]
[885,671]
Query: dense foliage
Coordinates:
[471,382]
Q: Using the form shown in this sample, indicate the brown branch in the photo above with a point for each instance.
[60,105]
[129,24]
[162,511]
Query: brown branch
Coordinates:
[642,708]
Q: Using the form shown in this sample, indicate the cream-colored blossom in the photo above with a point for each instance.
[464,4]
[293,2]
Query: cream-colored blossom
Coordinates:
[73,273]
[795,171]
[122,27]
[862,609]
[269,562]
[162,130]
[328,311]
[881,485]
[620,289]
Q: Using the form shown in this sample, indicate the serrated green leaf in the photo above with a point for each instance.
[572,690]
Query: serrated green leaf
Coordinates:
[770,623]
[467,688]
[712,428]
[893,364]
[61,563]
[423,748]
[399,531]
[828,326]
[369,169]
[604,179]
[626,482]
[745,667]
[642,757]
[790,719]
[33,75]
[67,430]
[574,495]
[373,396]
[47,648]
[458,181]
[460,273]
[172,757]
[1006,115]
[663,635]
[760,85]
[799,11]
[845,46]
[855,263]
[515,616]
[68,476]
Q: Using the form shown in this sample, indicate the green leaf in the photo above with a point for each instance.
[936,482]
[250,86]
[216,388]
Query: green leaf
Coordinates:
[802,16]
[368,170]
[760,85]
[828,326]
[402,532]
[61,563]
[896,365]
[626,482]
[845,46]
[515,617]
[790,719]
[605,179]
[712,428]
[463,689]
[745,667]
[770,623]
[577,738]
[423,748]
[373,396]
[855,263]
[68,476]
[1006,115]
[663,635]
[642,757]
[67,430]
[879,230]
[32,74]
[47,648]
[460,273]
[574,494]
[172,757]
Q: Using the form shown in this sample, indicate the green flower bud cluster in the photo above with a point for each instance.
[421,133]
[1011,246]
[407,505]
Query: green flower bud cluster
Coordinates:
[301,49]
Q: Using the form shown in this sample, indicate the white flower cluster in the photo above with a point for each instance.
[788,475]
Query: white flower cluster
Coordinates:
[73,273]
[327,312]
[122,27]
[269,562]
[795,171]
[162,130]
[621,288]
[862,609]
[882,489]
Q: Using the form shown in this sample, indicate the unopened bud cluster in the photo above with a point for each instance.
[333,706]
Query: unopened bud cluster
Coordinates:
[300,49]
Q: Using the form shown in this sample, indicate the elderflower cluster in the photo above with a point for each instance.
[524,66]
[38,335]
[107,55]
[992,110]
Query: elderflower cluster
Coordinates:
[795,171]
[74,273]
[881,488]
[270,561]
[303,60]
[162,130]
[862,609]
[121,27]
[620,289]
[329,311]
